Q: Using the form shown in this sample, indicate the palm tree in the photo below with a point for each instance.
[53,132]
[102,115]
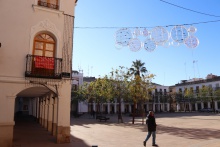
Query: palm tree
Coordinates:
[138,68]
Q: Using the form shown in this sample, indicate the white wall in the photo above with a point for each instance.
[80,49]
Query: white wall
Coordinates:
[82,107]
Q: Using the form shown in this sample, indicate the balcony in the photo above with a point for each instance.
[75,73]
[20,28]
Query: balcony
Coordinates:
[51,5]
[43,67]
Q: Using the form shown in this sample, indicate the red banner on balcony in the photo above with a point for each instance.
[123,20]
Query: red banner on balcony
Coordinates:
[44,62]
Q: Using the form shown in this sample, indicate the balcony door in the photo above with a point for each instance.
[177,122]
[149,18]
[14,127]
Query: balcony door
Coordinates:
[43,53]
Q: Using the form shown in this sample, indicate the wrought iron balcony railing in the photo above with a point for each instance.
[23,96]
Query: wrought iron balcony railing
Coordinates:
[43,67]
[49,5]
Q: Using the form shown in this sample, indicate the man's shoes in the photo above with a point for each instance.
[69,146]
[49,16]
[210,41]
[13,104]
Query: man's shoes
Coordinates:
[144,143]
[154,145]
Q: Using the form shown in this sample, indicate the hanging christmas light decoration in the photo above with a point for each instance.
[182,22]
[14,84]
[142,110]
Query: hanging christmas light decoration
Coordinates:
[149,45]
[135,44]
[117,46]
[146,33]
[192,30]
[179,34]
[174,43]
[123,36]
[137,32]
[166,44]
[191,42]
[159,35]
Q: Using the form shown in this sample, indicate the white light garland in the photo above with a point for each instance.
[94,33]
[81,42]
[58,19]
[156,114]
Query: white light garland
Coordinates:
[158,36]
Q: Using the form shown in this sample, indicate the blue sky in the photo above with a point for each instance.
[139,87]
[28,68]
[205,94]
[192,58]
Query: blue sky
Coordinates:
[94,48]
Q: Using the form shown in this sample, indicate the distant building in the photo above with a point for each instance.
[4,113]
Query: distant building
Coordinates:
[88,79]
[35,65]
[78,80]
[211,81]
[164,98]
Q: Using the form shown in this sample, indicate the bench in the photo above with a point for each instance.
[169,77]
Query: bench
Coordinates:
[102,118]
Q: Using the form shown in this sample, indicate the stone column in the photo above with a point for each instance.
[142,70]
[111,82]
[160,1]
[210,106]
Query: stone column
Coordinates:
[50,114]
[168,107]
[216,105]
[37,109]
[63,121]
[54,116]
[122,107]
[196,106]
[33,107]
[94,108]
[115,107]
[41,111]
[45,112]
[101,107]
[108,108]
[202,105]
[153,107]
[209,106]
[30,107]
[7,122]
[177,107]
[6,134]
[130,108]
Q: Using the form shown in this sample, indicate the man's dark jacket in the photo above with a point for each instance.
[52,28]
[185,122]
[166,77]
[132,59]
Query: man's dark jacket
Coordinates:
[151,123]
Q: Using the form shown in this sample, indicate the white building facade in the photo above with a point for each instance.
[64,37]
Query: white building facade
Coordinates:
[35,65]
[195,85]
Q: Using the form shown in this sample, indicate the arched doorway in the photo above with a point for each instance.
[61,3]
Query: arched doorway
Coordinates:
[35,107]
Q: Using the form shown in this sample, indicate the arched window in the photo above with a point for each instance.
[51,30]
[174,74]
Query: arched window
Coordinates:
[44,45]
[43,63]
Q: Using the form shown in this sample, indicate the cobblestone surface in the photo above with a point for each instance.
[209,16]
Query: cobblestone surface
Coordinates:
[174,130]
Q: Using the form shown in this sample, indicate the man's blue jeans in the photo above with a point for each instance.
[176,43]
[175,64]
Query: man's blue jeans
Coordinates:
[153,137]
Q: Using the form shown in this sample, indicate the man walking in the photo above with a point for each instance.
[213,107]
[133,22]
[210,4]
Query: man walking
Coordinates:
[151,123]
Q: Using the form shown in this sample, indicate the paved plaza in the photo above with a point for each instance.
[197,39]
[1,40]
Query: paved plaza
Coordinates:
[174,130]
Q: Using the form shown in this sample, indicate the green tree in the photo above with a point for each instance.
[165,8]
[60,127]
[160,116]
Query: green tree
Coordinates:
[179,98]
[118,80]
[139,89]
[216,94]
[188,96]
[100,91]
[172,100]
[207,93]
[203,94]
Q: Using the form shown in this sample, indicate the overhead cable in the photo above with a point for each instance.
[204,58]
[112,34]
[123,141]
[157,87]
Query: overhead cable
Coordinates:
[189,9]
[171,25]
